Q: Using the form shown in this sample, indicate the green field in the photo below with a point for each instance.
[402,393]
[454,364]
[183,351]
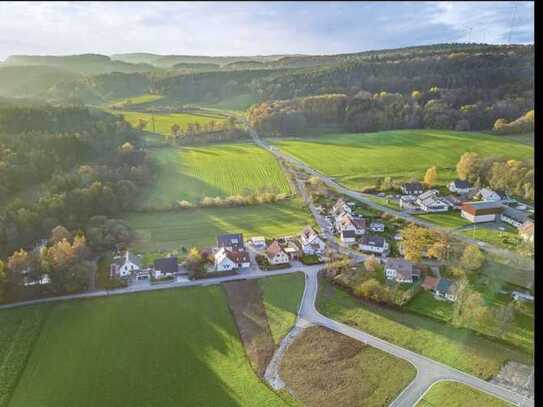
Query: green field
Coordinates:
[133,101]
[446,219]
[168,348]
[356,160]
[234,104]
[173,229]
[218,170]
[459,348]
[282,296]
[165,121]
[454,394]
[507,239]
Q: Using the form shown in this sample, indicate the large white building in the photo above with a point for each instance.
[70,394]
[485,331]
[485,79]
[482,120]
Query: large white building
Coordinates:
[477,212]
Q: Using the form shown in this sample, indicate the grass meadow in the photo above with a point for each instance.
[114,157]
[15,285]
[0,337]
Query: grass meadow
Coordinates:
[459,348]
[454,394]
[171,230]
[191,173]
[357,160]
[167,348]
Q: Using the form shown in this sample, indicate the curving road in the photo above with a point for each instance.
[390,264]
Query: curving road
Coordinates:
[428,371]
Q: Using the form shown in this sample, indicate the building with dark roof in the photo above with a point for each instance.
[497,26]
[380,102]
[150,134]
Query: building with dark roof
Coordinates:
[412,188]
[231,241]
[165,266]
[482,211]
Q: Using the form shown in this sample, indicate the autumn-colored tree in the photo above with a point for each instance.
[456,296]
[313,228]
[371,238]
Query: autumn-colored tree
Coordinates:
[59,233]
[468,166]
[127,147]
[371,263]
[415,240]
[373,290]
[194,262]
[431,176]
[417,95]
[473,258]
[142,123]
[19,261]
[469,309]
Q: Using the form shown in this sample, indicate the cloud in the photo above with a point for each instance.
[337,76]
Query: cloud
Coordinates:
[248,28]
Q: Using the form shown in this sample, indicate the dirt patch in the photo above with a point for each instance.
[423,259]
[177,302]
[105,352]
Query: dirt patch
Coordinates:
[516,377]
[324,368]
[245,302]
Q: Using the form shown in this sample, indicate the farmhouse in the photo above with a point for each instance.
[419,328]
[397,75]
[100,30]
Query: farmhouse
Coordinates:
[446,289]
[123,268]
[526,231]
[401,270]
[486,194]
[231,241]
[459,186]
[275,254]
[231,259]
[477,212]
[429,202]
[310,242]
[514,217]
[377,227]
[412,188]
[165,267]
[348,236]
[374,244]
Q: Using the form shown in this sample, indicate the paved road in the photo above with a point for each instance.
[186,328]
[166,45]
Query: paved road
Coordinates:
[428,371]
[366,199]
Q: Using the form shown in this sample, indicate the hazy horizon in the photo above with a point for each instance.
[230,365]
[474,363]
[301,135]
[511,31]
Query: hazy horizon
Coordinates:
[255,28]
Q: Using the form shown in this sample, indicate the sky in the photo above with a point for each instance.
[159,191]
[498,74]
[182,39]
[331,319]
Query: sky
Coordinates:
[254,28]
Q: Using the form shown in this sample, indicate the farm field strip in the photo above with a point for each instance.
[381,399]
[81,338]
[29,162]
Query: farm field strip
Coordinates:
[357,160]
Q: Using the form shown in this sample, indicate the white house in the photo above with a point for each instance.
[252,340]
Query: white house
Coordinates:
[349,222]
[377,227]
[486,194]
[310,242]
[514,217]
[124,268]
[259,242]
[224,262]
[408,202]
[401,270]
[429,202]
[446,289]
[412,188]
[348,236]
[374,244]
[275,254]
[520,296]
[340,207]
[43,280]
[459,186]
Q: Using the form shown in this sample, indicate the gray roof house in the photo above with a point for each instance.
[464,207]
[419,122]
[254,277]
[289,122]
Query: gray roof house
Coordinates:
[514,216]
[412,188]
[167,265]
[232,241]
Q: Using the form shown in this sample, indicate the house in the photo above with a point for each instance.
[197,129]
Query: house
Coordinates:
[348,236]
[43,280]
[377,227]
[429,202]
[292,250]
[514,217]
[454,202]
[310,242]
[526,231]
[401,270]
[231,259]
[483,211]
[125,266]
[520,296]
[412,188]
[398,237]
[446,288]
[275,254]
[459,187]
[340,207]
[259,242]
[349,222]
[408,202]
[231,241]
[486,194]
[429,283]
[374,244]
[165,267]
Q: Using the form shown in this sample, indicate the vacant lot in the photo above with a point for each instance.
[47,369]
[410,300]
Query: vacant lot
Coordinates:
[165,121]
[507,239]
[454,394]
[447,219]
[245,302]
[282,296]
[356,160]
[323,368]
[169,348]
[219,170]
[459,348]
[200,227]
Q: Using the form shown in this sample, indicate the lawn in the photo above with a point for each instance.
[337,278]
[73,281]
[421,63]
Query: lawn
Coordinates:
[191,173]
[173,229]
[282,296]
[326,369]
[165,121]
[424,303]
[445,219]
[459,348]
[167,348]
[507,239]
[454,394]
[133,101]
[390,203]
[357,160]
[238,103]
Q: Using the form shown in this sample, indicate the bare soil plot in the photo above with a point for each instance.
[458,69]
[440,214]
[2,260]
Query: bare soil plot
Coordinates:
[245,302]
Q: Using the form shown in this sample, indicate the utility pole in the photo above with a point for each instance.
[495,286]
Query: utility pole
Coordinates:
[153,120]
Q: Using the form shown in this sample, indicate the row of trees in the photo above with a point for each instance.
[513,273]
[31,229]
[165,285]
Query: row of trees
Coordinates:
[235,200]
[512,176]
